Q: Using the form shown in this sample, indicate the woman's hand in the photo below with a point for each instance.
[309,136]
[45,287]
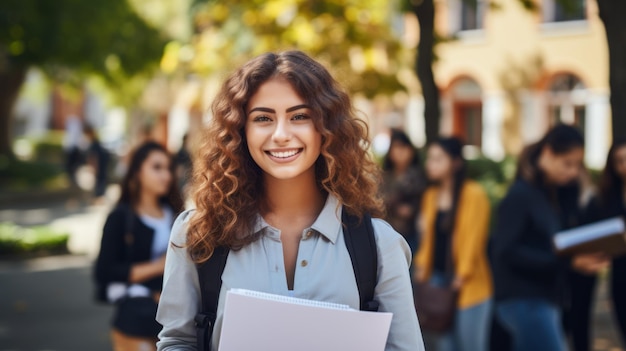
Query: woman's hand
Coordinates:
[457,283]
[418,274]
[590,263]
[141,272]
[404,211]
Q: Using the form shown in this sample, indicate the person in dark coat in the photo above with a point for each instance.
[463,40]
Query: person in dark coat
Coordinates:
[135,238]
[98,159]
[609,202]
[528,275]
[403,185]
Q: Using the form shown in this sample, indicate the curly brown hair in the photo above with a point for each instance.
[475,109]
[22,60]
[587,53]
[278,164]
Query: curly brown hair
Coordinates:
[227,183]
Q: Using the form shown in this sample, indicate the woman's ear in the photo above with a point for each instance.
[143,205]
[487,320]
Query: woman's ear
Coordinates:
[546,157]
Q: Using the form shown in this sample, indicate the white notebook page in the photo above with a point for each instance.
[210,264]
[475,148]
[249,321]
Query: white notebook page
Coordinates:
[260,321]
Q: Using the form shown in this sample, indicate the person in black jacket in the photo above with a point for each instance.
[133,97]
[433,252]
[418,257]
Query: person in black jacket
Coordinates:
[403,185]
[134,241]
[609,202]
[528,275]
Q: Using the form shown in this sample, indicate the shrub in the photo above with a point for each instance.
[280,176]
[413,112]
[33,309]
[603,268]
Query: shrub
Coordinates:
[16,174]
[41,239]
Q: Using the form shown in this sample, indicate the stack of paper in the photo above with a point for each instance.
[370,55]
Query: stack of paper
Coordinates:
[606,236]
[260,321]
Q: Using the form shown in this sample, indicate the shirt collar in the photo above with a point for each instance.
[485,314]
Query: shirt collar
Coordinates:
[328,222]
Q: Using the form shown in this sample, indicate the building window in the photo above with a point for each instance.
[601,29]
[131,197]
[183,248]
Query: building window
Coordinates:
[472,14]
[468,111]
[567,99]
[564,11]
[466,15]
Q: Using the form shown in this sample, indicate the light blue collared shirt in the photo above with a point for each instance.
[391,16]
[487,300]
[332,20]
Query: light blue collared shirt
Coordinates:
[323,272]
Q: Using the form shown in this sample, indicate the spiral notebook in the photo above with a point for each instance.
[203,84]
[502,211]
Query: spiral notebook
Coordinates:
[259,321]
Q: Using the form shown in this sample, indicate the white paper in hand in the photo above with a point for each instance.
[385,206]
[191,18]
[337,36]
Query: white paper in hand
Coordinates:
[260,321]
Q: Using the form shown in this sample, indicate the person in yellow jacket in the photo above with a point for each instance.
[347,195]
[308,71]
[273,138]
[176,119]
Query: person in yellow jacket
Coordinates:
[455,211]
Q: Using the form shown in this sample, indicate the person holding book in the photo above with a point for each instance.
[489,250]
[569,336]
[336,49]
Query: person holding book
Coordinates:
[528,275]
[609,202]
[403,185]
[454,225]
[283,156]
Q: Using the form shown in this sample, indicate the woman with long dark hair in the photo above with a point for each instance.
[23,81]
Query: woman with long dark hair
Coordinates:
[282,158]
[403,185]
[529,277]
[454,225]
[135,238]
[609,202]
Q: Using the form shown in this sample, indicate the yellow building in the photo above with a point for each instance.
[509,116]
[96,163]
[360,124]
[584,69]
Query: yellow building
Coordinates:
[511,73]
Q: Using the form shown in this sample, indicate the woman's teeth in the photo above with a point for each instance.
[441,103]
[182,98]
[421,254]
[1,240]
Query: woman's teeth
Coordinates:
[283,154]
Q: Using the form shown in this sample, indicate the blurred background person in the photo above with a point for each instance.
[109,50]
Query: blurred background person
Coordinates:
[403,184]
[609,202]
[134,242]
[73,144]
[98,158]
[529,277]
[183,165]
[454,221]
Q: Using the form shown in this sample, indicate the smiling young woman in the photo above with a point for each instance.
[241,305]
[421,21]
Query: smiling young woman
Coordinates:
[283,156]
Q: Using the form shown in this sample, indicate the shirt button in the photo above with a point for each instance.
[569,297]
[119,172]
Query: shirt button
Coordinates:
[308,234]
[304,263]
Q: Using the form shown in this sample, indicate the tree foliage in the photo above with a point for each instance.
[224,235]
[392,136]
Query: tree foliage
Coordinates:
[354,38]
[98,36]
[69,39]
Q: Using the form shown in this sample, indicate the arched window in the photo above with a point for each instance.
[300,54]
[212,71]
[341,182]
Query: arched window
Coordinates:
[567,97]
[467,105]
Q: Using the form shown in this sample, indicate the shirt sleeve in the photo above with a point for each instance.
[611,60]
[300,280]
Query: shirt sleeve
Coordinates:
[476,228]
[111,264]
[180,299]
[394,292]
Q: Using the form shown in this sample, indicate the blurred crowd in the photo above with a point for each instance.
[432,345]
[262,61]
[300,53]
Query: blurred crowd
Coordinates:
[510,289]
[497,279]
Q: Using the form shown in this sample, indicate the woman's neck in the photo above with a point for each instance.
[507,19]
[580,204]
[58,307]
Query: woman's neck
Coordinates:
[400,169]
[149,205]
[446,190]
[298,201]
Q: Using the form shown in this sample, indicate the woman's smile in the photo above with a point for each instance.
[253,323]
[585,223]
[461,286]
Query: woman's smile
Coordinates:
[284,155]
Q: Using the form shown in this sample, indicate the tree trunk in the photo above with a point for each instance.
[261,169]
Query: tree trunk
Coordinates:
[612,14]
[425,12]
[10,82]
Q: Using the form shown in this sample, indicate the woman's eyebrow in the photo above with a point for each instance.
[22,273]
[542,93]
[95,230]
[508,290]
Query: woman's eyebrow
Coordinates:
[271,110]
[297,107]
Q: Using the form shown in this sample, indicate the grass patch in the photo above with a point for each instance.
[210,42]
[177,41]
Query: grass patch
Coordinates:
[15,240]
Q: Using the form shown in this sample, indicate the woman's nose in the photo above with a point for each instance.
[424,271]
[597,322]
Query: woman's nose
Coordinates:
[282,132]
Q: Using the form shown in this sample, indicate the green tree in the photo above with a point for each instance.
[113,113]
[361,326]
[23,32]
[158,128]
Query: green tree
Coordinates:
[354,38]
[611,14]
[69,39]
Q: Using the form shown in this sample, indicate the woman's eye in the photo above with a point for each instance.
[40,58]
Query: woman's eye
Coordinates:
[300,117]
[261,119]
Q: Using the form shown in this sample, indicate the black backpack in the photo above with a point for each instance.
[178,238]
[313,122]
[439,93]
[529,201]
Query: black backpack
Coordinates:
[361,245]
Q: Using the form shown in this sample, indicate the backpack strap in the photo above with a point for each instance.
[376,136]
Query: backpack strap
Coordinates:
[361,245]
[210,279]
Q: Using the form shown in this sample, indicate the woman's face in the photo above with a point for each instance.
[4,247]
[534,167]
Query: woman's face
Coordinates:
[155,175]
[439,164]
[564,168]
[400,154]
[280,133]
[619,162]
